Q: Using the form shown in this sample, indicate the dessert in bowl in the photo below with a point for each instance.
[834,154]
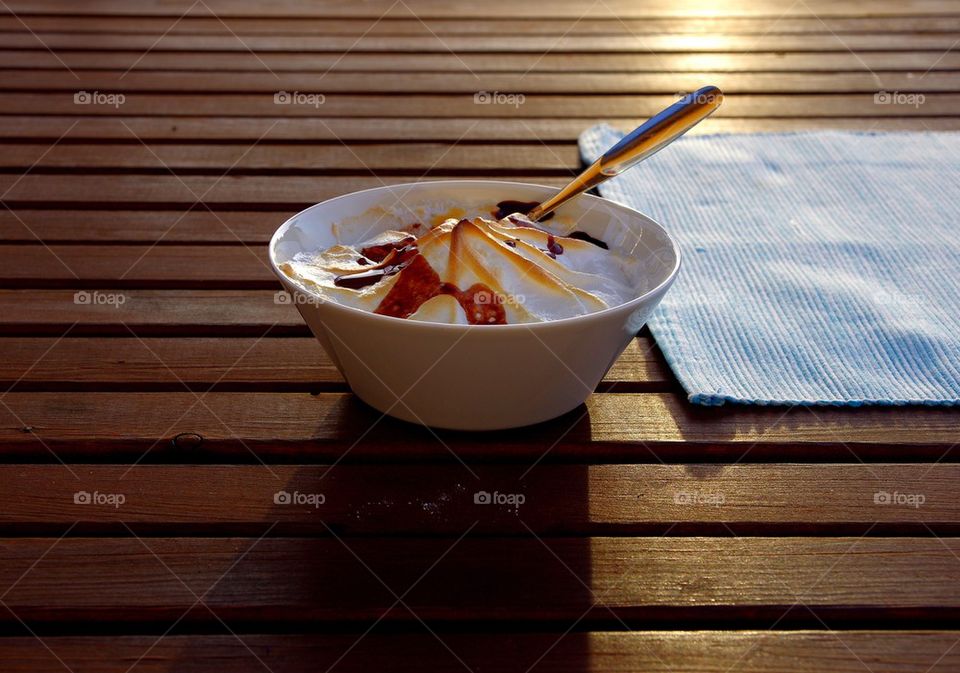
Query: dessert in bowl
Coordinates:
[441,311]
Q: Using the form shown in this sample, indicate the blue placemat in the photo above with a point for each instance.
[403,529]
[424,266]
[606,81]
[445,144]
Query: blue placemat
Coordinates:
[819,268]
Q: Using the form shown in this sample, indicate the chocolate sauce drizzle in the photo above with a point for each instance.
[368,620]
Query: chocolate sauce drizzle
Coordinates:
[391,258]
[553,248]
[358,281]
[419,282]
[584,236]
[378,253]
[505,208]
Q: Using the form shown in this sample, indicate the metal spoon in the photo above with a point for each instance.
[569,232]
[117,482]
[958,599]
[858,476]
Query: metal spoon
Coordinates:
[645,140]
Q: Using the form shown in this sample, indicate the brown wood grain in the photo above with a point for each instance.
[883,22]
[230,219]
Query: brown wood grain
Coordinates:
[203,267]
[149,312]
[159,227]
[534,106]
[483,62]
[226,364]
[644,427]
[439,499]
[732,83]
[544,25]
[570,42]
[342,581]
[415,158]
[430,9]
[183,194]
[335,130]
[171,364]
[756,651]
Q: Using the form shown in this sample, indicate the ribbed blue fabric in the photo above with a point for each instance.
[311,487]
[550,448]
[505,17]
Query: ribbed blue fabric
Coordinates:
[819,268]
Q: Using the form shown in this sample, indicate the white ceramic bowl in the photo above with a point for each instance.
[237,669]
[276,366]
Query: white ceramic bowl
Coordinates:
[474,377]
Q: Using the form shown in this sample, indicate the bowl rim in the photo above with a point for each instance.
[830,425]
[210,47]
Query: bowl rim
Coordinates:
[423,324]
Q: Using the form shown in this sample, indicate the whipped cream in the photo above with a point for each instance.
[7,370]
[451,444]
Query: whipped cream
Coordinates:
[470,271]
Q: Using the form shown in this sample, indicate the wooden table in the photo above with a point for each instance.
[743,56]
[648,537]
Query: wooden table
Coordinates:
[159,401]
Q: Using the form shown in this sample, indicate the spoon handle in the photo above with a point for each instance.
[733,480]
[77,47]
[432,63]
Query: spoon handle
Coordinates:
[644,141]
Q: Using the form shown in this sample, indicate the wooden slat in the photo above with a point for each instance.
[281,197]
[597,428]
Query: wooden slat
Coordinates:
[170,364]
[430,9]
[423,9]
[644,427]
[135,226]
[433,499]
[706,651]
[319,63]
[415,158]
[615,652]
[301,580]
[177,193]
[172,266]
[228,364]
[149,313]
[335,130]
[543,25]
[463,106]
[571,42]
[465,83]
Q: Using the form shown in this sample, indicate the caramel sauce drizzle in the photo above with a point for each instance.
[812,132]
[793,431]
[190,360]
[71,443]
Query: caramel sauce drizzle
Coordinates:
[418,282]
